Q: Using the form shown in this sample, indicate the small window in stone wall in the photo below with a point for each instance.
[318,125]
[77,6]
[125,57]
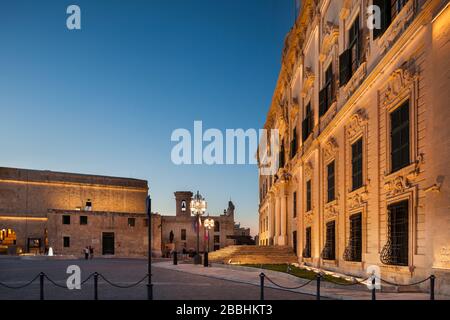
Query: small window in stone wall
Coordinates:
[145,222]
[66,242]
[131,222]
[216,239]
[83,220]
[183,234]
[65,219]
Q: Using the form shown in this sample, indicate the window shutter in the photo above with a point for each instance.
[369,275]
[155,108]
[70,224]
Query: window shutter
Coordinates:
[322,101]
[305,129]
[385,7]
[344,67]
[333,88]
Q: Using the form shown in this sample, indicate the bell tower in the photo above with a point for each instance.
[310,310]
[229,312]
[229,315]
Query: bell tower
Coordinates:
[183,203]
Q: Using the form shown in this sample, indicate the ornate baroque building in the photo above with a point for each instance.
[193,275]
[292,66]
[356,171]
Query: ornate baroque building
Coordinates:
[364,161]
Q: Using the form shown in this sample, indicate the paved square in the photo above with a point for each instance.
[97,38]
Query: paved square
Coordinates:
[168,284]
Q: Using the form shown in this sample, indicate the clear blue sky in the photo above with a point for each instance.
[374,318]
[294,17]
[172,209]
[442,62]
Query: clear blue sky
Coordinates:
[105,99]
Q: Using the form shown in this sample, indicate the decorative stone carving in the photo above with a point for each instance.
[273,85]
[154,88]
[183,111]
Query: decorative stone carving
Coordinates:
[356,123]
[346,9]
[309,218]
[330,148]
[331,210]
[308,169]
[331,35]
[309,81]
[355,81]
[357,200]
[397,185]
[399,81]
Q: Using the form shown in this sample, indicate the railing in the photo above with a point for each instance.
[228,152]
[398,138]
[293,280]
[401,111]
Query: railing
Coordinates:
[263,277]
[42,277]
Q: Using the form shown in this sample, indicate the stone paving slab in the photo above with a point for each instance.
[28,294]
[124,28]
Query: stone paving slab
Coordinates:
[252,277]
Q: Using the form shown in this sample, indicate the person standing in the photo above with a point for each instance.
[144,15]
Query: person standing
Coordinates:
[91,252]
[86,253]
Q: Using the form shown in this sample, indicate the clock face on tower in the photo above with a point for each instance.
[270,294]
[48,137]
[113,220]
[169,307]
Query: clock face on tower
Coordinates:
[183,205]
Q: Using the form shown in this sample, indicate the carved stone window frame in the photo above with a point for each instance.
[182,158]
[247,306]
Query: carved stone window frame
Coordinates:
[357,127]
[363,209]
[402,86]
[330,152]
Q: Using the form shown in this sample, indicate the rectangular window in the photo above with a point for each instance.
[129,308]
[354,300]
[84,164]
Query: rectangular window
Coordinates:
[183,234]
[308,196]
[329,251]
[330,182]
[66,242]
[354,46]
[83,220]
[281,155]
[65,219]
[307,124]
[308,245]
[357,165]
[349,60]
[354,251]
[400,137]
[294,204]
[216,239]
[326,95]
[294,144]
[396,250]
[131,222]
[145,222]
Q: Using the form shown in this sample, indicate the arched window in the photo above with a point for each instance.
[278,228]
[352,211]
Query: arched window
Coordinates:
[183,205]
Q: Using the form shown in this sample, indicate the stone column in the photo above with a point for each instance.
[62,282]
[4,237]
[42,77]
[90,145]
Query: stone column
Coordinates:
[283,221]
[271,231]
[277,219]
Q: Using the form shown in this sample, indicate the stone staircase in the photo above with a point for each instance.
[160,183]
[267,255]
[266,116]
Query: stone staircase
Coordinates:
[254,255]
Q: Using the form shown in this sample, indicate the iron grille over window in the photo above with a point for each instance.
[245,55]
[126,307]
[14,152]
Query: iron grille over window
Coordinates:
[307,124]
[294,204]
[353,252]
[329,251]
[400,137]
[330,182]
[357,165]
[307,249]
[395,252]
[326,95]
[308,196]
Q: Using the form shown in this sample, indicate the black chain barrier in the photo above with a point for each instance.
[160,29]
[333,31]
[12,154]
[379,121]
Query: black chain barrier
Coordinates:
[122,287]
[19,287]
[373,278]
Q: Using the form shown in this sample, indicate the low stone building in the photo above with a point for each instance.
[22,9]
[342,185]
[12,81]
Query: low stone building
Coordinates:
[67,211]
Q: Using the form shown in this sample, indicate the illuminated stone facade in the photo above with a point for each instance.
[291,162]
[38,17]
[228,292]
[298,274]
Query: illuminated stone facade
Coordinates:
[365,142]
[69,211]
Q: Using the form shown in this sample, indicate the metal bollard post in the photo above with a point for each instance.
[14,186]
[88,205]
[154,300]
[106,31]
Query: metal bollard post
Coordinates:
[96,286]
[261,278]
[205,260]
[432,279]
[318,276]
[41,285]
[175,258]
[373,289]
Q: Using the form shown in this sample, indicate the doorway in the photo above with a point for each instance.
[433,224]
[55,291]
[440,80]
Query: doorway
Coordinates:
[108,243]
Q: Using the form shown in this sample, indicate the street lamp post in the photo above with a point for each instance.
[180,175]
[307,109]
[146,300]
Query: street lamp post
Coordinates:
[198,208]
[209,224]
[149,225]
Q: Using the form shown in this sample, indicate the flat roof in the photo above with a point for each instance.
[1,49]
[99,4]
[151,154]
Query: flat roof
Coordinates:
[28,175]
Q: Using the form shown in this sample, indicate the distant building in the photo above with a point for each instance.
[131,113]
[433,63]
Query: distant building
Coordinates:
[182,227]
